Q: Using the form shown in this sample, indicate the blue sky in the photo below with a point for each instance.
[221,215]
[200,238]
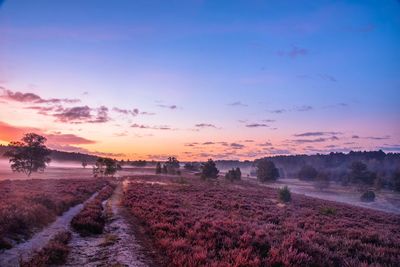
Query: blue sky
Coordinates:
[311,66]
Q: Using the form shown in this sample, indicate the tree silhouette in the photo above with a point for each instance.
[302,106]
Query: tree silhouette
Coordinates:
[209,170]
[307,172]
[106,167]
[234,174]
[158,168]
[266,171]
[29,155]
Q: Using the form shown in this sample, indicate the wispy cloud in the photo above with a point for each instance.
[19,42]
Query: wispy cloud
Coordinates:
[32,98]
[205,125]
[294,52]
[256,125]
[317,134]
[237,104]
[167,106]
[142,126]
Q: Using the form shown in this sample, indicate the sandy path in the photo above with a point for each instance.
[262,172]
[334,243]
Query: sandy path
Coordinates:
[25,250]
[116,246]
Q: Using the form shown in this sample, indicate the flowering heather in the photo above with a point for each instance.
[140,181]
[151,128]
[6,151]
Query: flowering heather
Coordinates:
[54,253]
[224,224]
[28,206]
[91,219]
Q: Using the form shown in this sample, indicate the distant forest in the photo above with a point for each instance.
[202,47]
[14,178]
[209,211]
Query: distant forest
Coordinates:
[369,167]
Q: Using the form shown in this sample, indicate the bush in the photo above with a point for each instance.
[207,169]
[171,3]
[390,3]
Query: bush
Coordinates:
[209,170]
[284,194]
[266,171]
[327,211]
[307,172]
[233,175]
[368,196]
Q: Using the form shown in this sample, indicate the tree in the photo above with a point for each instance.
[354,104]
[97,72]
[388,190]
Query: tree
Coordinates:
[266,171]
[321,182]
[234,174]
[360,174]
[307,172]
[29,155]
[396,180]
[84,164]
[106,166]
[172,165]
[209,170]
[191,166]
[158,168]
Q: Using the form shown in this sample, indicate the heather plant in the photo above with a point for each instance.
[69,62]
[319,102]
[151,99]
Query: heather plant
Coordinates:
[284,194]
[227,225]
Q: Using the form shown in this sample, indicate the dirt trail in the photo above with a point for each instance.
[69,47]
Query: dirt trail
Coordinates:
[25,250]
[116,246]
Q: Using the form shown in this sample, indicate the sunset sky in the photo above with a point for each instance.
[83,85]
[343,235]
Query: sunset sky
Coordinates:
[143,79]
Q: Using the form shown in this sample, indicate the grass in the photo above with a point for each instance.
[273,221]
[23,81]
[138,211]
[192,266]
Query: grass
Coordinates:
[203,224]
[28,206]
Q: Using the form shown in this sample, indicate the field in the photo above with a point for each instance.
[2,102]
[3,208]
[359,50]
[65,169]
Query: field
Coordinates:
[28,206]
[197,223]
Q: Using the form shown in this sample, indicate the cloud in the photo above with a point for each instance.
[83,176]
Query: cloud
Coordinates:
[316,134]
[355,137]
[267,144]
[33,98]
[74,114]
[328,77]
[12,133]
[205,125]
[134,112]
[278,111]
[294,52]
[303,141]
[142,126]
[268,120]
[378,137]
[69,139]
[390,148]
[208,143]
[147,113]
[167,106]
[236,146]
[237,104]
[256,125]
[303,108]
[83,114]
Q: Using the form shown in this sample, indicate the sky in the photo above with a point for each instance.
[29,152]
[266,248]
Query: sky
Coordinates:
[144,79]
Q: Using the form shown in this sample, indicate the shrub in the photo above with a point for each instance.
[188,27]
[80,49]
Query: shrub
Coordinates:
[322,181]
[284,194]
[307,172]
[266,171]
[209,170]
[368,196]
[233,175]
[327,211]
